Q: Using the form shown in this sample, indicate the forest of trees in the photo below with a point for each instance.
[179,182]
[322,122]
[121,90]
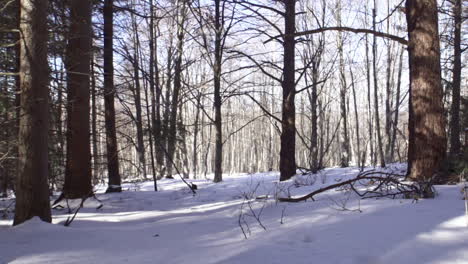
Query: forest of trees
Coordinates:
[109,91]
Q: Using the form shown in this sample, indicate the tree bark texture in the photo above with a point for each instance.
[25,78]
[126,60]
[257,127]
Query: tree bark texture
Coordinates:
[109,95]
[288,123]
[32,193]
[78,58]
[427,127]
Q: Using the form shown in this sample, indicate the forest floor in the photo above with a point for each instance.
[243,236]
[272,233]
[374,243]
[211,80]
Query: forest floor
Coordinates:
[175,226]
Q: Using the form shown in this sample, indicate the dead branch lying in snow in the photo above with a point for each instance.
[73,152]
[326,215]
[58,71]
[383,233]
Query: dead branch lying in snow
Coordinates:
[377,184]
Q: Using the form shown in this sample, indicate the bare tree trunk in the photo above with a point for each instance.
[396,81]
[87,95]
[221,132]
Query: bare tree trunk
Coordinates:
[313,96]
[155,93]
[109,95]
[195,136]
[32,193]
[137,97]
[376,94]
[172,131]
[344,137]
[217,96]
[150,137]
[428,122]
[455,145]
[94,126]
[356,115]
[183,144]
[167,112]
[5,139]
[288,123]
[397,107]
[369,102]
[388,89]
[78,165]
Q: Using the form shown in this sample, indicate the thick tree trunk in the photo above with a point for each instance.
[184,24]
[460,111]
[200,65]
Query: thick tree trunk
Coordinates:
[5,144]
[288,123]
[109,94]
[427,117]
[78,165]
[455,145]
[218,170]
[32,193]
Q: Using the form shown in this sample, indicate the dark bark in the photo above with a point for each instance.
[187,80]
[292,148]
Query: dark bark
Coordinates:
[94,131]
[167,113]
[218,171]
[195,136]
[427,123]
[356,115]
[78,165]
[172,129]
[137,99]
[288,121]
[376,97]
[150,138]
[155,124]
[388,98]
[109,95]
[455,144]
[32,193]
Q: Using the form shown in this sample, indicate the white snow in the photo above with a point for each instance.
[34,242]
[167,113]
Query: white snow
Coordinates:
[173,226]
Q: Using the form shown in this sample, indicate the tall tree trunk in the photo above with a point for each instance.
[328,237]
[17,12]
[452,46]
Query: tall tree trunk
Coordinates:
[344,137]
[356,115]
[150,137]
[32,193]
[313,96]
[183,144]
[137,97]
[397,107]
[155,93]
[369,102]
[172,131]
[376,94]
[94,130]
[427,119]
[167,112]
[195,135]
[78,165]
[455,145]
[218,171]
[388,90]
[109,95]
[5,138]
[288,121]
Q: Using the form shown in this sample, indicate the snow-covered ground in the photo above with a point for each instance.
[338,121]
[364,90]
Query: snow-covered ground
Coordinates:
[174,226]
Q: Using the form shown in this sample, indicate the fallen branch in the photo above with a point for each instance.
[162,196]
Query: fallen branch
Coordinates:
[390,185]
